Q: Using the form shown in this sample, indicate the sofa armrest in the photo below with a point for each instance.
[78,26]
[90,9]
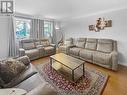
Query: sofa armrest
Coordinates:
[53,45]
[30,71]
[115,46]
[25,59]
[114,60]
[68,48]
[71,46]
[39,46]
[21,52]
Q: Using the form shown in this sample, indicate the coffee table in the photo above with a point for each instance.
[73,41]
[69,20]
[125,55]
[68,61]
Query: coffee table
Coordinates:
[70,66]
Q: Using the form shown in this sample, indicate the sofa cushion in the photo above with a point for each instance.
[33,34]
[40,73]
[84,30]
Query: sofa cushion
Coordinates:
[102,58]
[45,43]
[80,44]
[62,48]
[48,48]
[91,46]
[93,40]
[37,42]
[81,39]
[75,51]
[86,54]
[107,48]
[28,46]
[108,41]
[10,68]
[32,53]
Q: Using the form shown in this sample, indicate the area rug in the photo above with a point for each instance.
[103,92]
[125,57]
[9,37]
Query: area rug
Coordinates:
[92,83]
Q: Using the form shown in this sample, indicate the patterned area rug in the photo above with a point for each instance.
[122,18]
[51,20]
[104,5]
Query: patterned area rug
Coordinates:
[92,83]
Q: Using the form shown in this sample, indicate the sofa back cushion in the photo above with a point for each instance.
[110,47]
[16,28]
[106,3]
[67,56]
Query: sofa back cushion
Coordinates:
[81,42]
[10,68]
[68,42]
[91,44]
[44,42]
[106,41]
[28,44]
[105,45]
[37,42]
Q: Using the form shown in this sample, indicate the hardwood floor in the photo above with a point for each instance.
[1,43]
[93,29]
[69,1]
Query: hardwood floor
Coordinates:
[117,83]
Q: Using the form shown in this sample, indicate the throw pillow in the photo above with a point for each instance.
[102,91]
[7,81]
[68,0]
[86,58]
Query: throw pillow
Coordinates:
[10,68]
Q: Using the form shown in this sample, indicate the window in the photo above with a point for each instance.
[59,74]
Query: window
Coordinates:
[22,28]
[48,29]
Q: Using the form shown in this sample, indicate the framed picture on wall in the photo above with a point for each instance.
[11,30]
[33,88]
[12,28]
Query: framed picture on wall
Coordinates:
[91,27]
[109,23]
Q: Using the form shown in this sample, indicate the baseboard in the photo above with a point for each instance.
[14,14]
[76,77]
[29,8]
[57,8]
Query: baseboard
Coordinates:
[122,65]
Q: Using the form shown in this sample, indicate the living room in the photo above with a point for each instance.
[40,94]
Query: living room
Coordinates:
[63,47]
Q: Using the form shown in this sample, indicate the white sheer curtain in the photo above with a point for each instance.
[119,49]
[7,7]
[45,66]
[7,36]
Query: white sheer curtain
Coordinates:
[41,29]
[54,38]
[12,42]
[36,28]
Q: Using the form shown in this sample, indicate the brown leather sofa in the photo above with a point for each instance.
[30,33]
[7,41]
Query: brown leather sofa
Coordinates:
[35,49]
[28,79]
[102,52]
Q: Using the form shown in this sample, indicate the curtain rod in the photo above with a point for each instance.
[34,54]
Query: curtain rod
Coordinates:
[25,16]
[20,15]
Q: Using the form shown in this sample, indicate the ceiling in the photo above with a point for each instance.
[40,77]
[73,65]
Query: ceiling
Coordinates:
[66,9]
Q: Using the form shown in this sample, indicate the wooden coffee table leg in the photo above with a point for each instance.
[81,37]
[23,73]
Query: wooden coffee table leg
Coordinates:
[72,75]
[51,63]
[83,69]
[73,78]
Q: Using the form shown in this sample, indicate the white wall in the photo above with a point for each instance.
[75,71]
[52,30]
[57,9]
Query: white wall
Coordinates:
[79,28]
[3,37]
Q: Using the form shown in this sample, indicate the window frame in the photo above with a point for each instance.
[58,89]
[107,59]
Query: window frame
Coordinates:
[49,28]
[23,20]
